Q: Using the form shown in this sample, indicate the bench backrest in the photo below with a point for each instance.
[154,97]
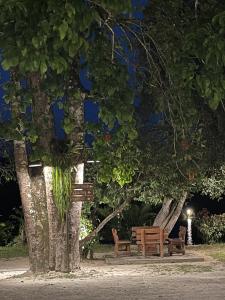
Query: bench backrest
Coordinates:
[182,232]
[115,235]
[148,234]
[151,235]
[136,235]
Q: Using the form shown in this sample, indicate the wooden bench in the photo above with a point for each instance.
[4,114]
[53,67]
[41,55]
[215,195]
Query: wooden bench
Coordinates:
[178,245]
[150,240]
[134,232]
[121,246]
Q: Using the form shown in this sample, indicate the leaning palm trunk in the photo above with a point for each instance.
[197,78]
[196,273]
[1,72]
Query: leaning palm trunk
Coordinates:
[169,213]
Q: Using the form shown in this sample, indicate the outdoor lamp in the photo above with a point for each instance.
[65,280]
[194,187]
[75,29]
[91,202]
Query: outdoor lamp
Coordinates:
[189,212]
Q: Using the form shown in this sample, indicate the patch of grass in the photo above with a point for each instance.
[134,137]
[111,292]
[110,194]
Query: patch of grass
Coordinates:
[216,251]
[208,247]
[218,255]
[13,251]
[103,248]
[194,268]
[179,269]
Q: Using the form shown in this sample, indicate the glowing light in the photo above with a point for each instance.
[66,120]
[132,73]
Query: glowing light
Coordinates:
[189,232]
[189,212]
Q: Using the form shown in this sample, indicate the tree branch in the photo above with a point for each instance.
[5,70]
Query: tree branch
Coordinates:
[91,235]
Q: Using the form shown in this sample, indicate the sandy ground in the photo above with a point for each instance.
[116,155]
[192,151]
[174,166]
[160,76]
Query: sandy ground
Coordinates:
[96,280]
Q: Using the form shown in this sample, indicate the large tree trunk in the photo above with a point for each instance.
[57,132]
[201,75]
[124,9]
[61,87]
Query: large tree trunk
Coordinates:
[52,217]
[62,247]
[169,213]
[75,215]
[42,115]
[41,222]
[33,199]
[176,213]
[164,211]
[76,114]
[58,230]
[53,244]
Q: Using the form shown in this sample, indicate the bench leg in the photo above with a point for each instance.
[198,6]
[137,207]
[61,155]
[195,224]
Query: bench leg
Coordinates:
[143,250]
[116,250]
[128,250]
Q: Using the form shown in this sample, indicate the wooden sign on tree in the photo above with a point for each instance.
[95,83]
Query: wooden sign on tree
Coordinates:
[82,192]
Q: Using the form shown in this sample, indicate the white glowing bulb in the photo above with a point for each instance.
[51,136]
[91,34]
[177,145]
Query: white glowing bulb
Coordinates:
[189,212]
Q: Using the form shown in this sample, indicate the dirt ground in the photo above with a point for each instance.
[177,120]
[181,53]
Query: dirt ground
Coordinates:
[96,280]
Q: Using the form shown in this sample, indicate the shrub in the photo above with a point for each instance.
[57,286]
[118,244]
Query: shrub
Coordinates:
[211,228]
[6,235]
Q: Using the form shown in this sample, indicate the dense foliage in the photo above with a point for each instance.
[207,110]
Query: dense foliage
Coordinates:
[211,229]
[45,46]
[183,63]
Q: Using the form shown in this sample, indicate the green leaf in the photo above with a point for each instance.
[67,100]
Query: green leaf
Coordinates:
[6,64]
[214,102]
[24,52]
[220,45]
[43,67]
[72,50]
[33,138]
[35,42]
[14,61]
[223,58]
[63,30]
[70,10]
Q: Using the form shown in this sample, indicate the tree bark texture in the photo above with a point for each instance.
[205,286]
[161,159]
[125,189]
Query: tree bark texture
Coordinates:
[52,217]
[76,114]
[169,213]
[164,211]
[34,208]
[41,114]
[58,230]
[176,213]
[41,222]
[53,244]
[74,217]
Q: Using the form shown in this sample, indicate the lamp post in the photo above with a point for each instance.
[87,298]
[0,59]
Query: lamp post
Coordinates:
[189,212]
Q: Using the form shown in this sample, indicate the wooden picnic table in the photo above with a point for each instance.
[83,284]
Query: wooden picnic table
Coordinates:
[150,239]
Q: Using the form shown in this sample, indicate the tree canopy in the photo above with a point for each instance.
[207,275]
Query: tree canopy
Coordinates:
[45,45]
